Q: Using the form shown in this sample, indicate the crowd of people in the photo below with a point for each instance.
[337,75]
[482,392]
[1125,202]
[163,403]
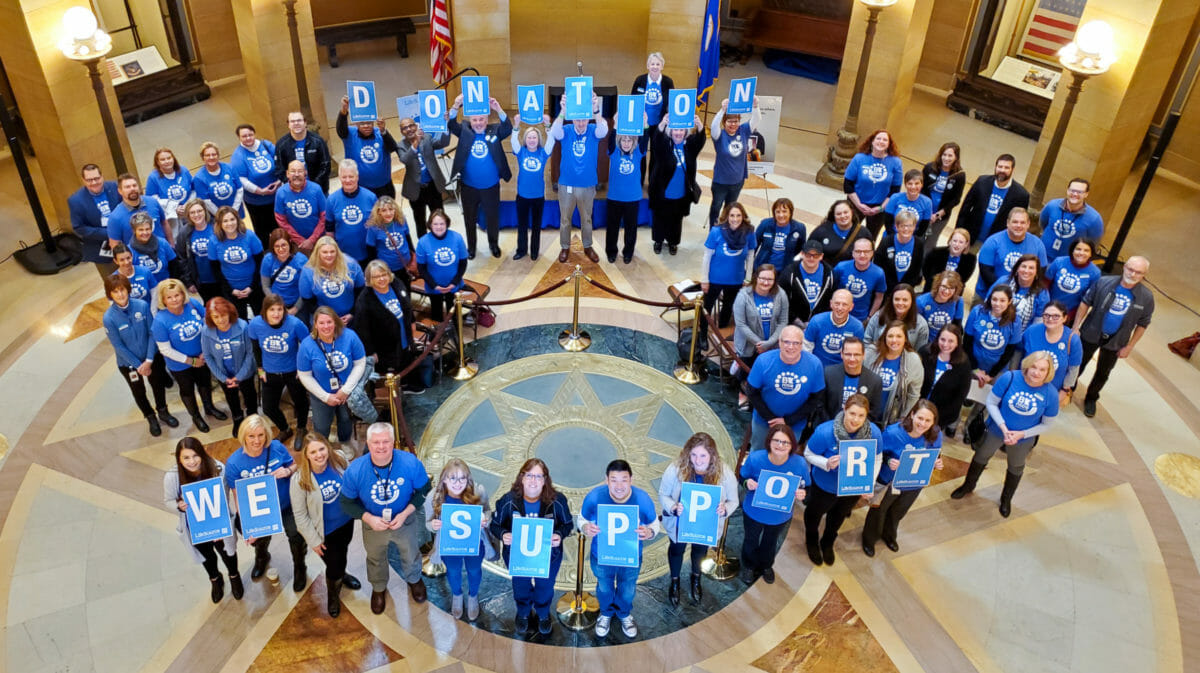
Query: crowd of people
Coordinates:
[861,328]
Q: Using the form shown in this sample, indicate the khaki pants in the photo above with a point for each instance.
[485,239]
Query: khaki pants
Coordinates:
[376,545]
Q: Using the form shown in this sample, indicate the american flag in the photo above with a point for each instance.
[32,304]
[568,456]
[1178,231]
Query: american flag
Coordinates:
[1051,27]
[441,42]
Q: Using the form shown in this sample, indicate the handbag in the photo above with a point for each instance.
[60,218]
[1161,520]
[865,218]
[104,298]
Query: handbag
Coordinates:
[485,316]
[358,401]
[1185,346]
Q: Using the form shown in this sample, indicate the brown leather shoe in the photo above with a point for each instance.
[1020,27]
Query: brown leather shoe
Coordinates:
[417,591]
[562,256]
[378,601]
[591,254]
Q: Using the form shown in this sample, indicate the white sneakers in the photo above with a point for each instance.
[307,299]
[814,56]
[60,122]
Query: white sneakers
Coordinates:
[602,625]
[628,627]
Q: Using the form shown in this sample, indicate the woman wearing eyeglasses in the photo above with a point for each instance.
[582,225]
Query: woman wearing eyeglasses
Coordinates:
[1062,344]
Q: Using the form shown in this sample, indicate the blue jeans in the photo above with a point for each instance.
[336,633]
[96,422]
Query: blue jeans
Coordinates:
[323,414]
[537,594]
[454,568]
[615,589]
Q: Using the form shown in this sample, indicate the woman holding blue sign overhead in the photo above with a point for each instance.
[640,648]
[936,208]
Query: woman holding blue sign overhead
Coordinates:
[672,186]
[624,195]
[698,463]
[532,158]
[533,495]
[874,174]
[764,519]
[824,454]
[316,507]
[917,432]
[456,487]
[481,165]
[731,141]
[193,464]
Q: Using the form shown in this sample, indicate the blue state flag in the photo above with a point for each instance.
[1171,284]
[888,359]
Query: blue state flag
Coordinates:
[617,543]
[475,96]
[461,525]
[258,506]
[698,522]
[777,490]
[432,106]
[578,95]
[681,109]
[207,510]
[531,101]
[916,468]
[710,49]
[363,106]
[529,554]
[631,115]
[741,95]
[856,466]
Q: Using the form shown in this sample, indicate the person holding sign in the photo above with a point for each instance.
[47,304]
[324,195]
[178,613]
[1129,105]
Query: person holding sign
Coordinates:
[456,487]
[316,506]
[919,434]
[1020,407]
[127,322]
[193,464]
[423,178]
[698,463]
[532,158]
[873,175]
[892,358]
[726,254]
[765,518]
[617,585]
[533,495]
[624,195]
[370,147]
[384,488]
[481,164]
[731,140]
[331,363]
[824,455]
[672,186]
[256,457]
[577,177]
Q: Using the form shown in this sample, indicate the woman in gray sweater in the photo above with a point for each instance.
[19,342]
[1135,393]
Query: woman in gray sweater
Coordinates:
[893,359]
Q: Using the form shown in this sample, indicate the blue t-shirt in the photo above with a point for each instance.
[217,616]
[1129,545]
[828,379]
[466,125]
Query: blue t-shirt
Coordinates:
[347,215]
[939,315]
[1000,253]
[625,175]
[827,337]
[901,255]
[198,246]
[118,220]
[1068,283]
[1028,302]
[1021,405]
[991,338]
[579,152]
[531,172]
[765,306]
[236,256]
[336,294]
[141,283]
[316,357]
[922,207]
[299,149]
[654,102]
[441,258]
[862,285]
[730,167]
[752,468]
[889,373]
[874,178]
[728,265]
[392,304]
[303,210]
[181,331]
[279,345]
[274,456]
[938,189]
[849,386]
[479,170]
[940,367]
[675,187]
[995,200]
[896,441]
[175,188]
[1060,227]
[825,443]
[222,188]
[330,484]
[389,487]
[647,509]
[785,388]
[105,208]
[1122,299]
[952,262]
[374,165]
[1067,352]
[258,167]
[812,283]
[287,283]
[391,244]
[156,266]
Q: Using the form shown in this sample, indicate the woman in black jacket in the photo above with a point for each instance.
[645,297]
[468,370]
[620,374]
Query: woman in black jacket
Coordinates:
[383,319]
[944,180]
[947,375]
[955,256]
[842,226]
[201,272]
[675,151]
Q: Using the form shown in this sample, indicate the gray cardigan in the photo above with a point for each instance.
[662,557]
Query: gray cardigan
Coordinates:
[171,495]
[748,327]
[489,552]
[1100,297]
[908,387]
[309,509]
[918,336]
[670,487]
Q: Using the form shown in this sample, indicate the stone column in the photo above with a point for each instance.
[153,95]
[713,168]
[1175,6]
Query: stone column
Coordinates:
[481,40]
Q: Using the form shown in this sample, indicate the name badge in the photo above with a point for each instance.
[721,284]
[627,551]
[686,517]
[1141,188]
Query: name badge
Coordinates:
[334,384]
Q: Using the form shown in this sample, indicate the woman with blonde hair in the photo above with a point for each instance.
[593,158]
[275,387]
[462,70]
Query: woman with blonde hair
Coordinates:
[331,279]
[177,329]
[215,182]
[239,254]
[389,235]
[533,155]
[455,486]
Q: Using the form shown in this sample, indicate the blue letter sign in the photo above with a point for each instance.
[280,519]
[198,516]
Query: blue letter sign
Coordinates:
[461,525]
[433,110]
[777,490]
[741,96]
[682,109]
[362,102]
[916,468]
[631,115]
[856,467]
[698,521]
[529,555]
[578,98]
[258,506]
[475,96]
[531,101]
[207,510]
[617,543]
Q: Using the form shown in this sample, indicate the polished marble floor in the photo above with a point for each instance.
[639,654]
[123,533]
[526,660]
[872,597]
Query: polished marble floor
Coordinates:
[1095,571]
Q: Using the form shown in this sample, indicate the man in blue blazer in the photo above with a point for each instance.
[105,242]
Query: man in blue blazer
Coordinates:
[89,208]
[480,164]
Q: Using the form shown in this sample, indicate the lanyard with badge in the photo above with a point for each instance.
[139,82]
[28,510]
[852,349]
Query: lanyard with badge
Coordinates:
[386,494]
[335,380]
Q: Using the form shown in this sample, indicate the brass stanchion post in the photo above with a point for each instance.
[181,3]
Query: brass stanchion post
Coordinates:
[577,609]
[717,564]
[572,339]
[688,372]
[467,369]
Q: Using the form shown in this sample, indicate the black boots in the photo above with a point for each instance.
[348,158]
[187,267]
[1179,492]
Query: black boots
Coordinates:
[299,569]
[334,602]
[1011,481]
[260,565]
[235,586]
[968,484]
[155,428]
[218,588]
[673,592]
[697,590]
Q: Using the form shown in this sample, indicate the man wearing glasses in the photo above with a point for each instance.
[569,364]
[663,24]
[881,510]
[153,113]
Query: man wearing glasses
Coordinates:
[423,178]
[1065,220]
[299,144]
[90,208]
[783,386]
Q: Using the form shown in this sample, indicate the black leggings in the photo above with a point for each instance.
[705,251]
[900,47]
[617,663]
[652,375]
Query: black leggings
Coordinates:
[439,304]
[272,392]
[190,381]
[489,201]
[728,294]
[529,224]
[336,544]
[210,551]
[158,384]
[760,543]
[675,557]
[835,509]
[234,397]
[263,218]
[667,220]
[621,213]
[295,540]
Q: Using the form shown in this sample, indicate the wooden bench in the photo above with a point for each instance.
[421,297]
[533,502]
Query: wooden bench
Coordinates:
[800,33]
[400,28]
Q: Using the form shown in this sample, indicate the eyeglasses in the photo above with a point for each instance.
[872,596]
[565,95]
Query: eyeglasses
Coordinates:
[534,477]
[459,479]
[1052,316]
[780,442]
